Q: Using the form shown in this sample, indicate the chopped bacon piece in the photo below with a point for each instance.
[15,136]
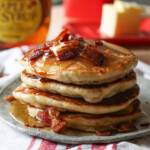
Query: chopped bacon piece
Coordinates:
[44,116]
[72,38]
[126,127]
[95,43]
[69,51]
[53,113]
[92,55]
[101,71]
[103,133]
[145,124]
[50,117]
[9,98]
[98,42]
[45,47]
[66,54]
[63,36]
[57,125]
[36,55]
[3,75]
[108,51]
[123,127]
[55,43]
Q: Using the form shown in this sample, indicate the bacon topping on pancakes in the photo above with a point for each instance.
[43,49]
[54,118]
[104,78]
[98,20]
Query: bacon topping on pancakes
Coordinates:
[51,118]
[93,55]
[63,36]
[65,47]
[36,55]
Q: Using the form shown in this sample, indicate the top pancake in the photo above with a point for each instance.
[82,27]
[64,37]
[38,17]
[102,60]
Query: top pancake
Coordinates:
[78,70]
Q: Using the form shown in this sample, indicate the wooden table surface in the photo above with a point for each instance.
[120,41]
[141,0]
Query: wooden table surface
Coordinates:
[142,51]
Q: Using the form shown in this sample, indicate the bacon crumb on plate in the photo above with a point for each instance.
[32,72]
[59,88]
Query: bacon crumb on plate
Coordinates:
[145,124]
[3,75]
[9,98]
[108,51]
[103,133]
[146,102]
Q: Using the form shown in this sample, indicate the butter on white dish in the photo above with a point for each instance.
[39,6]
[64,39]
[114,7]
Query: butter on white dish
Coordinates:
[121,18]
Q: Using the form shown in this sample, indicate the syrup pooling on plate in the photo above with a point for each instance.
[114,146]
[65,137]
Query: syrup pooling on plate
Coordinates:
[20,112]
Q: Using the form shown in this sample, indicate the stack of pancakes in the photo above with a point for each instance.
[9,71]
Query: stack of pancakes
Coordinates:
[88,97]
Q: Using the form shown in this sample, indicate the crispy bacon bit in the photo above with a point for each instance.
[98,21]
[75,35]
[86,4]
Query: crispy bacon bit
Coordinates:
[44,116]
[3,75]
[104,133]
[72,38]
[69,51]
[95,43]
[124,127]
[57,125]
[54,113]
[145,124]
[50,117]
[44,47]
[108,51]
[101,71]
[74,47]
[93,55]
[98,42]
[66,54]
[36,55]
[127,127]
[63,36]
[56,44]
[9,98]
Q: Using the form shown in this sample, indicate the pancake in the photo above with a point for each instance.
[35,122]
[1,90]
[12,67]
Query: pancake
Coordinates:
[117,62]
[90,93]
[40,98]
[92,123]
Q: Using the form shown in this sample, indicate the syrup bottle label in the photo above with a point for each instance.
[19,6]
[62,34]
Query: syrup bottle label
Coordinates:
[19,19]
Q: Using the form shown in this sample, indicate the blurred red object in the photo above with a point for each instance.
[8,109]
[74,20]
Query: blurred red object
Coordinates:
[84,10]
[91,31]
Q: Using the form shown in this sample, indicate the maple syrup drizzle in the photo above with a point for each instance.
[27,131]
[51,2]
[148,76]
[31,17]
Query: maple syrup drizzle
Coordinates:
[19,111]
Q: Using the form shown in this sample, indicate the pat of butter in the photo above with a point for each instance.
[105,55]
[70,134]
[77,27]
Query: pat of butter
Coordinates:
[120,18]
[58,48]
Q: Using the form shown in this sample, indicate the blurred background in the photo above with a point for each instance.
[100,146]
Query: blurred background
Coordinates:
[31,22]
